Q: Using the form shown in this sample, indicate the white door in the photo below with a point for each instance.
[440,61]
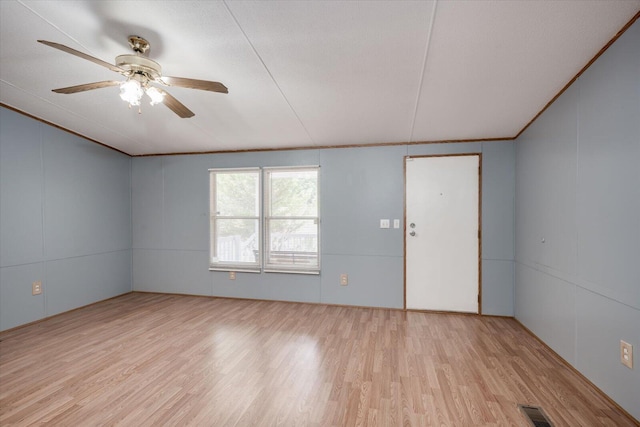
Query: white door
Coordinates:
[442,233]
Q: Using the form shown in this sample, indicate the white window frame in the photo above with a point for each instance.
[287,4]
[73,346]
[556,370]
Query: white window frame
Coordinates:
[287,268]
[261,263]
[214,216]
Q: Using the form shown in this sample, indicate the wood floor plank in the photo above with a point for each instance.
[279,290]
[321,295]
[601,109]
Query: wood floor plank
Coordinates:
[154,359]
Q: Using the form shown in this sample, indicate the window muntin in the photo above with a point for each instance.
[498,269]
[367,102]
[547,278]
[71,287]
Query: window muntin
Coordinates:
[235,219]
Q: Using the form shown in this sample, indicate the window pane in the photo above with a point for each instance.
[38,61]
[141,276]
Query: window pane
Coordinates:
[237,194]
[237,240]
[294,193]
[293,242]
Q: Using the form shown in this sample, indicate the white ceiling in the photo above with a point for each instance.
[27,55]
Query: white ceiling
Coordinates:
[305,74]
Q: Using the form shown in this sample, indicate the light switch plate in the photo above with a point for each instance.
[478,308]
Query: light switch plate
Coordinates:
[626,354]
[384,223]
[396,223]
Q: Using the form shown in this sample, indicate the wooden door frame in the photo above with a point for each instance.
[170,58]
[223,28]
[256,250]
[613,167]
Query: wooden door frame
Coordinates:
[404,220]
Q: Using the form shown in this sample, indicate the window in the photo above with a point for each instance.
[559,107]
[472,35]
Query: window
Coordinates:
[235,219]
[292,219]
[289,222]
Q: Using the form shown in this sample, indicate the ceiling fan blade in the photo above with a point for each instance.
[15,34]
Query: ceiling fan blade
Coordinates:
[175,105]
[83,56]
[88,86]
[194,84]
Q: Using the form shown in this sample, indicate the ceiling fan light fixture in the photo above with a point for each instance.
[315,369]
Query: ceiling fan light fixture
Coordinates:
[140,72]
[131,92]
[155,95]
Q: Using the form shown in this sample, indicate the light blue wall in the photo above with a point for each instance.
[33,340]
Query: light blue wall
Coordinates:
[70,212]
[65,219]
[359,186]
[578,189]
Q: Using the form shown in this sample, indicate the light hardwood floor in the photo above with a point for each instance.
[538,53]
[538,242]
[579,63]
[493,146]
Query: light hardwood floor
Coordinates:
[152,359]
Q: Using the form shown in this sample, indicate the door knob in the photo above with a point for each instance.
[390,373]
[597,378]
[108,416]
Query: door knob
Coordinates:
[413,233]
[412,225]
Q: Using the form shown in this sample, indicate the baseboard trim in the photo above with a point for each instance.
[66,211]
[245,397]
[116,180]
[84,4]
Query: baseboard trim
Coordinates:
[409,310]
[270,300]
[59,314]
[581,375]
[244,299]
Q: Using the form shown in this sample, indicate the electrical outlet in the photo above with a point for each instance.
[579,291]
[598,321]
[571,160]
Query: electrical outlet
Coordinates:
[384,223]
[232,275]
[36,288]
[344,279]
[626,354]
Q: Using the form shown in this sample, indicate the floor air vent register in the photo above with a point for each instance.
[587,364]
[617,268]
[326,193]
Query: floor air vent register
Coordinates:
[535,416]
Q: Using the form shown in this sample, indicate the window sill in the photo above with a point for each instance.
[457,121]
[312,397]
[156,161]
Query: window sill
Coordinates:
[236,269]
[308,272]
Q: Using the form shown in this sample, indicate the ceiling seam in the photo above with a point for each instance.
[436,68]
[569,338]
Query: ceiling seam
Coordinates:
[54,26]
[88,50]
[255,51]
[256,150]
[60,107]
[72,113]
[69,131]
[424,67]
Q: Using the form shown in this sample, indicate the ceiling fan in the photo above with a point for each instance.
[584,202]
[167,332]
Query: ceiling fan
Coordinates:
[140,72]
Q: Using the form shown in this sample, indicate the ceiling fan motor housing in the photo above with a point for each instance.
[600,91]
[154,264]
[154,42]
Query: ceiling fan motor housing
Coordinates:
[137,64]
